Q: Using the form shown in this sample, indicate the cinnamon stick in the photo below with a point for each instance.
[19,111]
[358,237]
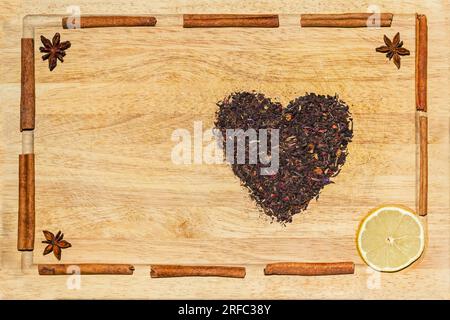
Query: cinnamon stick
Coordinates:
[230,20]
[167,271]
[346,20]
[423,167]
[107,21]
[421,61]
[309,268]
[27,92]
[26,219]
[85,269]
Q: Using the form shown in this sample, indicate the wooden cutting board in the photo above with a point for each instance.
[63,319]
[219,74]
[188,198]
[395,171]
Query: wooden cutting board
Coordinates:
[103,140]
[102,144]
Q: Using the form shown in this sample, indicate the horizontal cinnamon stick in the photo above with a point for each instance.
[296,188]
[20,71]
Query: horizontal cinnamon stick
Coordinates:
[421,62]
[26,219]
[346,20]
[85,269]
[423,167]
[309,268]
[27,92]
[230,20]
[345,16]
[168,271]
[107,21]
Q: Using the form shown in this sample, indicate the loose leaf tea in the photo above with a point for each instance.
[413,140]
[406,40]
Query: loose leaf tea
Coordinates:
[314,132]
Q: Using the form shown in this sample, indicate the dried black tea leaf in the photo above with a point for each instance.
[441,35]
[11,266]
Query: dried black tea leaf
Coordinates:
[314,132]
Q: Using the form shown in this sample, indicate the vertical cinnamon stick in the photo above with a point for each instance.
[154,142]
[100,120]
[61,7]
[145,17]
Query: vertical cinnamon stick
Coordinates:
[309,268]
[421,61]
[168,271]
[108,21]
[85,269]
[27,95]
[25,235]
[345,20]
[423,167]
[230,20]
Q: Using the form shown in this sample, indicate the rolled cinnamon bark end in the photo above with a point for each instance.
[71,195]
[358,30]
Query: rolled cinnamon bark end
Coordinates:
[27,92]
[107,21]
[85,269]
[423,166]
[309,268]
[346,20]
[26,219]
[421,62]
[169,271]
[230,20]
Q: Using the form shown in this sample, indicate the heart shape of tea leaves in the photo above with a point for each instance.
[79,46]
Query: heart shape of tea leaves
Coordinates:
[314,133]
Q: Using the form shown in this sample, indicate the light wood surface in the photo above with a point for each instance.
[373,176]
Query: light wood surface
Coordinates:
[102,144]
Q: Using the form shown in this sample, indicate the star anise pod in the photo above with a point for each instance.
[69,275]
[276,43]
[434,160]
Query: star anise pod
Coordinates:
[55,243]
[393,49]
[54,50]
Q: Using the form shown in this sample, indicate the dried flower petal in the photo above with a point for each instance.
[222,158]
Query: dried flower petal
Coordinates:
[396,40]
[48,235]
[387,41]
[403,51]
[43,49]
[55,40]
[57,252]
[46,42]
[383,49]
[60,57]
[48,249]
[45,56]
[65,45]
[52,62]
[64,244]
[397,60]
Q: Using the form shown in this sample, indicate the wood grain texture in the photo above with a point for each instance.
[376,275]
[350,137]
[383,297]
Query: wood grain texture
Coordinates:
[106,107]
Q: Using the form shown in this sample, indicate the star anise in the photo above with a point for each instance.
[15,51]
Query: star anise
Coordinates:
[393,49]
[54,50]
[55,243]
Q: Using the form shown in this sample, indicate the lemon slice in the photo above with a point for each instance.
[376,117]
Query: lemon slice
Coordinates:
[390,238]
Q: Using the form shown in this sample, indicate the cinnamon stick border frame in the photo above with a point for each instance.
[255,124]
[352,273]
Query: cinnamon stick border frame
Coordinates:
[27,110]
[346,20]
[421,69]
[85,269]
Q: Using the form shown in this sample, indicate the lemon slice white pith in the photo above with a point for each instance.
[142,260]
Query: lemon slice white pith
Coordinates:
[390,238]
